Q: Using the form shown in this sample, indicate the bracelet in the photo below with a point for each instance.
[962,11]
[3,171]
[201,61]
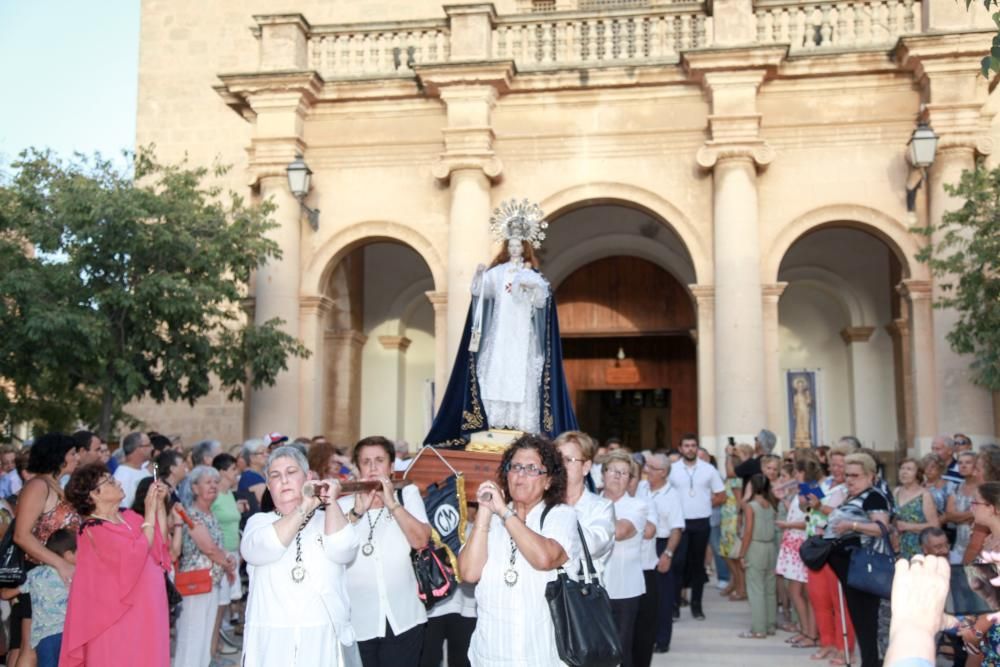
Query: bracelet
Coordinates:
[855,526]
[394,508]
[145,526]
[506,515]
[355,514]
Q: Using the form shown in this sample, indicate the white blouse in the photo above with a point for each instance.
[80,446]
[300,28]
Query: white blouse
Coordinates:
[382,586]
[597,520]
[514,626]
[305,623]
[623,575]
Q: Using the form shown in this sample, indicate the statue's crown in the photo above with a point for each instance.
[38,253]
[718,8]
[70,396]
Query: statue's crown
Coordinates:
[520,220]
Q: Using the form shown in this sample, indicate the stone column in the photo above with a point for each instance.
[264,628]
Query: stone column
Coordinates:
[773,385]
[902,355]
[343,412]
[276,408]
[925,389]
[394,384]
[705,297]
[442,362]
[860,365]
[313,311]
[731,79]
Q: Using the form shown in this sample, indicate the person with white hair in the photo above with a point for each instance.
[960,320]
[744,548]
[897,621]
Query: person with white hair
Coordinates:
[298,611]
[137,449]
[944,447]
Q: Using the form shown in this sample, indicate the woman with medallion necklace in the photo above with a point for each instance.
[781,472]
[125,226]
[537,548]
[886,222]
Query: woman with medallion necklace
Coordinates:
[298,612]
[523,532]
[41,510]
[386,613]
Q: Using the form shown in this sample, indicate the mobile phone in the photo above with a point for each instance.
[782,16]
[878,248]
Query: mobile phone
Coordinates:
[732,441]
[971,591]
[155,473]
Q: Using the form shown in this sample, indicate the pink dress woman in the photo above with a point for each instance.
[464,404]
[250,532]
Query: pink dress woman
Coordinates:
[117,612]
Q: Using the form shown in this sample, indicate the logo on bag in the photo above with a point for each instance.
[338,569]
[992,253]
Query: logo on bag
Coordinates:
[446,520]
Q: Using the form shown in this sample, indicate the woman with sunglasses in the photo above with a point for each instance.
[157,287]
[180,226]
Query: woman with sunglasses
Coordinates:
[980,634]
[512,554]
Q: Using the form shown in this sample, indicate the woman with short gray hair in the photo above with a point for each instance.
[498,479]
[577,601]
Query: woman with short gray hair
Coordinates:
[202,552]
[296,557]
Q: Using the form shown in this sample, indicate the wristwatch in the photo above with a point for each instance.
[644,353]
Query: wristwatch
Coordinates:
[506,515]
[355,514]
[668,553]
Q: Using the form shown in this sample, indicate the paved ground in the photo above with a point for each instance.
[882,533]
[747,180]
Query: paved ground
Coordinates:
[714,641]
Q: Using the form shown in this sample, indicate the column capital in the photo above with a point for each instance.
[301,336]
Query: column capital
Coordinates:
[315,304]
[773,291]
[439,300]
[349,336]
[898,328]
[915,290]
[713,153]
[400,343]
[856,334]
[703,294]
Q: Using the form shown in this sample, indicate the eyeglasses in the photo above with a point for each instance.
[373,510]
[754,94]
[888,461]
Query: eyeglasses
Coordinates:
[962,442]
[979,502]
[852,475]
[107,479]
[618,473]
[570,459]
[530,470]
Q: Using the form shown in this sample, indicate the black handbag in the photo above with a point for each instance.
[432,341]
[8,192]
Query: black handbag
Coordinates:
[586,634]
[434,573]
[12,572]
[871,571]
[815,551]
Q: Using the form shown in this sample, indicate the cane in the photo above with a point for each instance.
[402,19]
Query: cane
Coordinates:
[843,622]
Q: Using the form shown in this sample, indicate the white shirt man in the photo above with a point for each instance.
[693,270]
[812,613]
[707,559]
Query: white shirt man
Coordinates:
[137,449]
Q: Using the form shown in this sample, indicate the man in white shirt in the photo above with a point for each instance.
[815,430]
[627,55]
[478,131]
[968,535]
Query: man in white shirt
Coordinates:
[700,488]
[137,448]
[669,520]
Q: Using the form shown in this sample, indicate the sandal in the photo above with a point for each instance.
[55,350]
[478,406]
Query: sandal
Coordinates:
[794,639]
[751,635]
[825,653]
[808,642]
[837,661]
[789,627]
[738,597]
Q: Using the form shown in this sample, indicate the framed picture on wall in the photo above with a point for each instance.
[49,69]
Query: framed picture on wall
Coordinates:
[803,392]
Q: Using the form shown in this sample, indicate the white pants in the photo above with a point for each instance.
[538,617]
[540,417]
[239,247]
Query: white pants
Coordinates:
[194,629]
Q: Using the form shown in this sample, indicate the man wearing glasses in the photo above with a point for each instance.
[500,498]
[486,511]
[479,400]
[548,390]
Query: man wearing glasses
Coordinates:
[137,449]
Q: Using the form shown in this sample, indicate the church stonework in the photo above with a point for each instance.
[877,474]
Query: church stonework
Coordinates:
[740,165]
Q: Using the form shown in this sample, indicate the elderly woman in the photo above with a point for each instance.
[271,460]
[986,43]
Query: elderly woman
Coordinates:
[859,521]
[386,613]
[595,514]
[623,576]
[915,508]
[298,612]
[117,611]
[205,561]
[254,455]
[513,554]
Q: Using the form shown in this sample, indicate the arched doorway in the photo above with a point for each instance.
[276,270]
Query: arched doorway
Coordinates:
[842,329]
[379,346]
[620,275]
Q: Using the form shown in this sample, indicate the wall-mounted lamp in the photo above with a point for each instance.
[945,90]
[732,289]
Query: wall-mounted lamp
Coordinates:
[922,147]
[299,177]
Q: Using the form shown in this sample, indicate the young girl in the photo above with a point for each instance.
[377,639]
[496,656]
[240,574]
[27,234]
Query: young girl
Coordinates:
[759,554]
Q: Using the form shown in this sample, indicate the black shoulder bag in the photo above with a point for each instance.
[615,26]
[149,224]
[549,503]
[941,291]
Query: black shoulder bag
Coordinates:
[12,572]
[432,566]
[586,634]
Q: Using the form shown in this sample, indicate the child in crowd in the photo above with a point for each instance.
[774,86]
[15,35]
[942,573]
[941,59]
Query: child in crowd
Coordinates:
[759,553]
[49,596]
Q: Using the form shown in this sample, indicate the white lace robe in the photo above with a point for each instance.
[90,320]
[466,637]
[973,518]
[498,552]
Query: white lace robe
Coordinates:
[511,356]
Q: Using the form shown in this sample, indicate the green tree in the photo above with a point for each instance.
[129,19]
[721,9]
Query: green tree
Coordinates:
[123,283]
[964,256]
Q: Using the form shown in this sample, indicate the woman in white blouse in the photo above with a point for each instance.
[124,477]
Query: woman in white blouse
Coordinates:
[623,575]
[512,555]
[595,514]
[298,612]
[386,613]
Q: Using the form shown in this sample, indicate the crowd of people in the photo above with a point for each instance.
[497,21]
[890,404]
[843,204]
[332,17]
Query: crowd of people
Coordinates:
[161,554]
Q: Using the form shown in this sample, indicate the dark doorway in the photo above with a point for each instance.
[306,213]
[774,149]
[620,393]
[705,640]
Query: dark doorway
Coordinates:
[639,417]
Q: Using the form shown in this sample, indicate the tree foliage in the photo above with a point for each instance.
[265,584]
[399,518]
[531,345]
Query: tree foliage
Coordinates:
[964,255]
[990,63]
[124,283]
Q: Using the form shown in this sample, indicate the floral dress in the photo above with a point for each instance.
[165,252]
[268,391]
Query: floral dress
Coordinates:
[790,565]
[192,557]
[912,511]
[729,524]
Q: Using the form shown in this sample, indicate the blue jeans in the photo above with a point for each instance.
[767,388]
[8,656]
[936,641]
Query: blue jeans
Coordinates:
[721,569]
[48,651]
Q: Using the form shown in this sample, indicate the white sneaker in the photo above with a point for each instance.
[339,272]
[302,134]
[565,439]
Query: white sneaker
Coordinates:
[721,584]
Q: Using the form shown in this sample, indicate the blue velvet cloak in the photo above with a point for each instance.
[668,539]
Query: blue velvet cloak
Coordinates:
[462,412]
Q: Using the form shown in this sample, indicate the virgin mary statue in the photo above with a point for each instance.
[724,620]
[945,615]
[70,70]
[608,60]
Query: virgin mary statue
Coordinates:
[508,371]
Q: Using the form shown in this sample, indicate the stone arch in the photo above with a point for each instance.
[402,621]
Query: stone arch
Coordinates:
[622,194]
[891,231]
[317,274]
[857,310]
[611,245]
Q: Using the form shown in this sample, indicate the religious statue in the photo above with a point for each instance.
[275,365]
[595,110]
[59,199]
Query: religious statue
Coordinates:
[508,370]
[802,402]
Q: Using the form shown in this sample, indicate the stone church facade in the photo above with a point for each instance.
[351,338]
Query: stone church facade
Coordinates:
[725,183]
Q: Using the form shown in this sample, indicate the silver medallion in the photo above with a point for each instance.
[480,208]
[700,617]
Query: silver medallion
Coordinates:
[298,574]
[510,576]
[367,548]
[691,493]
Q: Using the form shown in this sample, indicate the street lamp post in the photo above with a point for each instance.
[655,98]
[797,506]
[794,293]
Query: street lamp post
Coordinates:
[299,180]
[921,149]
